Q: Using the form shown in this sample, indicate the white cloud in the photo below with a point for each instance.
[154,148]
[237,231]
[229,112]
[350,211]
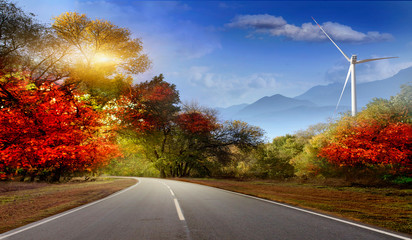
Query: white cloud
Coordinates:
[203,76]
[277,26]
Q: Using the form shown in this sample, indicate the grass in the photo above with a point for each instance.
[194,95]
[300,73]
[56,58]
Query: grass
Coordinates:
[22,203]
[388,208]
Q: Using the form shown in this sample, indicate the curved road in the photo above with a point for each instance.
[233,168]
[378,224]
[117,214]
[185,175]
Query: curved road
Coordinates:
[165,209]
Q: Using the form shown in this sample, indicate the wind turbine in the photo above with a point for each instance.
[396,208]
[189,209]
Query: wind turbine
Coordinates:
[353,61]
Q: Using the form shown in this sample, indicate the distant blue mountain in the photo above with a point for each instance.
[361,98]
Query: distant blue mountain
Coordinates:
[227,113]
[279,115]
[271,104]
[329,95]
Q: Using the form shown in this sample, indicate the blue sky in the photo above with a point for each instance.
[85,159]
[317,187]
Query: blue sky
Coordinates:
[225,53]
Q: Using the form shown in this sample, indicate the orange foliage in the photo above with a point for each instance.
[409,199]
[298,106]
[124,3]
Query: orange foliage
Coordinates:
[370,143]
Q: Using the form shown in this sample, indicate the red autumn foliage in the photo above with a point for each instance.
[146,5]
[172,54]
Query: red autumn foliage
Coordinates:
[159,93]
[149,105]
[196,122]
[370,143]
[46,129]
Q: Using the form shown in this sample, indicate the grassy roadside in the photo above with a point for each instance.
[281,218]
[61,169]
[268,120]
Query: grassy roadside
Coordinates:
[383,207]
[23,203]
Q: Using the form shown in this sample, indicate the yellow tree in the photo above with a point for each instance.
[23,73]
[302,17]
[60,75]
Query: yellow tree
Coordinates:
[103,55]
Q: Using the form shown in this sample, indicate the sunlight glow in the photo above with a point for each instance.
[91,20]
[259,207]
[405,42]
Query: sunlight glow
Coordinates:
[103,58]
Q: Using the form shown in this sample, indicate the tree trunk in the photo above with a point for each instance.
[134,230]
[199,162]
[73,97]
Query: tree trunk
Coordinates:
[184,173]
[162,173]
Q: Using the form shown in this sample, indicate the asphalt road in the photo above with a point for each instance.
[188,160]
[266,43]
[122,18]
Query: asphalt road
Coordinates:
[165,209]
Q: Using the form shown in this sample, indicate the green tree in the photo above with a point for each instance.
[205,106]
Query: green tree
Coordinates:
[403,100]
[397,109]
[147,113]
[230,149]
[133,162]
[18,32]
[306,162]
[273,158]
[179,142]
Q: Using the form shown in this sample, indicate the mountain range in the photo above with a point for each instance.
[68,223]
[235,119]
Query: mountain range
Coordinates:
[279,115]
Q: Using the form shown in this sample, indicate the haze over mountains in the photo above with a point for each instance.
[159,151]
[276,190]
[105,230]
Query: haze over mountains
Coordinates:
[279,115]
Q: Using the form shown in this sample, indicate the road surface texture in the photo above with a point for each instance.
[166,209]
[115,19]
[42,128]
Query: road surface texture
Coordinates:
[165,209]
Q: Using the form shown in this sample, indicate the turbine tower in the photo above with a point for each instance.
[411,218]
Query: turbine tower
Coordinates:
[353,61]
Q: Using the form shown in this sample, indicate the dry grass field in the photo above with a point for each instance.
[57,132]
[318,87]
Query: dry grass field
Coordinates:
[388,208]
[22,203]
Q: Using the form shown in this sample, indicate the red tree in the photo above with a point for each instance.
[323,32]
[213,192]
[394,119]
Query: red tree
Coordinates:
[196,123]
[368,143]
[150,105]
[46,130]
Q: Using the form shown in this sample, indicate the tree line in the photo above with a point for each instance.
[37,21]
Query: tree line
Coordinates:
[373,148]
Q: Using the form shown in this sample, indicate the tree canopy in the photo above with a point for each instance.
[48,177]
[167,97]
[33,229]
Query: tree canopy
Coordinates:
[96,56]
[18,31]
[48,131]
[179,140]
[98,41]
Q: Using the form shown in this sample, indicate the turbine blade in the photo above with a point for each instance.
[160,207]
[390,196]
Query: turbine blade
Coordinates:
[344,86]
[331,40]
[374,59]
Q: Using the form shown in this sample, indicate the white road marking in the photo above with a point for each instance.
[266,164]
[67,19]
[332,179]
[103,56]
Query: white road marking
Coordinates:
[30,226]
[318,214]
[179,211]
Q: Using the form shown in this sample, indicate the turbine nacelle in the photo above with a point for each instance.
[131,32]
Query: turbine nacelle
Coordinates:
[354,59]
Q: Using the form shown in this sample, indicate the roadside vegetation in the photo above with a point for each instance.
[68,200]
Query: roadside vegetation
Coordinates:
[373,149]
[54,84]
